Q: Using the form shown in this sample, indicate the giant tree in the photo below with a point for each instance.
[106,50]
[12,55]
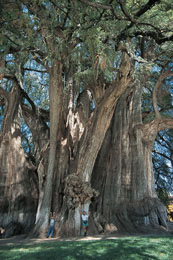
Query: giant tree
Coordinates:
[93,53]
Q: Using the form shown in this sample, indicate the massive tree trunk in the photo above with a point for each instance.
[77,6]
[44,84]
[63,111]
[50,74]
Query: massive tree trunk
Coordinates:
[118,184]
[75,175]
[56,101]
[18,181]
[36,120]
[123,172]
[77,187]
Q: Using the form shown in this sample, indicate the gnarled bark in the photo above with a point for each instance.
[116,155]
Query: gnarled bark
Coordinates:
[56,97]
[123,172]
[18,182]
[88,149]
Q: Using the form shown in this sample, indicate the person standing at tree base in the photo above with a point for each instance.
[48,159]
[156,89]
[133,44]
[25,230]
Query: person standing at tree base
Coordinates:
[51,225]
[84,217]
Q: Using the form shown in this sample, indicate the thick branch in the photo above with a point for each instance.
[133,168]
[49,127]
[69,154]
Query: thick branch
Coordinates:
[25,95]
[151,129]
[101,119]
[163,75]
[146,7]
[41,113]
[165,123]
[35,70]
[123,8]
[19,48]
[158,37]
[147,114]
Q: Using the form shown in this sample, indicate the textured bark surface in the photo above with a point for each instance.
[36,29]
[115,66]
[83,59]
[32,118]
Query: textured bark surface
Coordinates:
[36,121]
[123,172]
[56,100]
[84,160]
[77,189]
[18,181]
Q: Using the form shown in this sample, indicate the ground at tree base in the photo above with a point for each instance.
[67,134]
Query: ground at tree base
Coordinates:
[23,239]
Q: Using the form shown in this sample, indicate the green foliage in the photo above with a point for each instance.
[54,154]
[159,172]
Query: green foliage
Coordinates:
[36,84]
[131,248]
[163,195]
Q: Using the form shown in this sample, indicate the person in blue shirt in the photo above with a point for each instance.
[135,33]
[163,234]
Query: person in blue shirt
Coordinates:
[51,226]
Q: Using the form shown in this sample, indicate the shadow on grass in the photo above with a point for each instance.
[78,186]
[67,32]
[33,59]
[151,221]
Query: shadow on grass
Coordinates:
[156,248]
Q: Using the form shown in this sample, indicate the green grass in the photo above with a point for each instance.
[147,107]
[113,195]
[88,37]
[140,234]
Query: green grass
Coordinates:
[130,248]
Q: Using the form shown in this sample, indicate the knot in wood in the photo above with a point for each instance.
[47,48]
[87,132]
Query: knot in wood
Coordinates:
[77,192]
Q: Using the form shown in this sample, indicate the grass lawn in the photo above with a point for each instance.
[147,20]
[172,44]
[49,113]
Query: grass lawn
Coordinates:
[130,248]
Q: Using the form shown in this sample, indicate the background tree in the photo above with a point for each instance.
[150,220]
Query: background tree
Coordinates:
[162,160]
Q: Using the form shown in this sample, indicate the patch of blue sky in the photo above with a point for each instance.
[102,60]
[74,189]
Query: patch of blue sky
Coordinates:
[6,84]
[156,68]
[34,65]
[9,58]
[1,120]
[92,105]
[48,124]
[25,9]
